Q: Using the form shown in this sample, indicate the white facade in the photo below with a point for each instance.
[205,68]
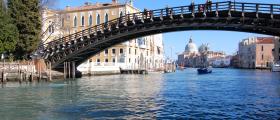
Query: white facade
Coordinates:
[51,25]
[220,61]
[141,53]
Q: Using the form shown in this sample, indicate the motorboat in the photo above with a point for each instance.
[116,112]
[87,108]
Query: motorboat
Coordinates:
[204,70]
[275,67]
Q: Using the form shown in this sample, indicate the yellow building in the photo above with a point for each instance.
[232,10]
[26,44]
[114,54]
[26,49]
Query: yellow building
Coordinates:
[145,53]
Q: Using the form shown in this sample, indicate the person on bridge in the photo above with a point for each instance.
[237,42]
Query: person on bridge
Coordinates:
[146,13]
[201,8]
[208,5]
[191,8]
[168,11]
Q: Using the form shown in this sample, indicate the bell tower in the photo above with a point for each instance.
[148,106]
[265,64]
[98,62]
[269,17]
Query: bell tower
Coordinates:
[114,1]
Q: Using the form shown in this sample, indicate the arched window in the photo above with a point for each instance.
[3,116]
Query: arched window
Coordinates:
[106,18]
[90,20]
[83,21]
[75,21]
[98,19]
[50,27]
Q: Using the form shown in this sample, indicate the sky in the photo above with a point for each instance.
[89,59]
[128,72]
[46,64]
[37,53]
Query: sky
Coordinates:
[226,41]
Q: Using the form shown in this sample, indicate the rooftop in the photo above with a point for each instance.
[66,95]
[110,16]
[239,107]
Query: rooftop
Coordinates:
[89,6]
[265,40]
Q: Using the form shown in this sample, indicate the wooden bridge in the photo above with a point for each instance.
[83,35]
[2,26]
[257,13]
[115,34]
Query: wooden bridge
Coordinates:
[230,16]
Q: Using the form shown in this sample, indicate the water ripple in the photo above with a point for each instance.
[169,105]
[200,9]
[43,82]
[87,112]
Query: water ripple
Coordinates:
[225,94]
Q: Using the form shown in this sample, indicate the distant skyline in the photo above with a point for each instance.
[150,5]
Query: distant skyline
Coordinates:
[226,41]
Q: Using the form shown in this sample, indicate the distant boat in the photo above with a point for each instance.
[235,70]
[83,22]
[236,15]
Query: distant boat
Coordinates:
[204,70]
[275,67]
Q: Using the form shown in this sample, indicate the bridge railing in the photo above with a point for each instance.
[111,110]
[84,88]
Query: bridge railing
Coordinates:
[256,7]
[165,12]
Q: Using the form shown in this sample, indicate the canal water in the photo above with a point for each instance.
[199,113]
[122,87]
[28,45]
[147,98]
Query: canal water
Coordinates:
[224,94]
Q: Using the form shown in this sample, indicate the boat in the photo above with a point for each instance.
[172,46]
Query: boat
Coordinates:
[204,70]
[275,67]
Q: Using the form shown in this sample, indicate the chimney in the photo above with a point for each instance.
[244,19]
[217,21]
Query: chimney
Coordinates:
[87,3]
[131,2]
[114,1]
[67,7]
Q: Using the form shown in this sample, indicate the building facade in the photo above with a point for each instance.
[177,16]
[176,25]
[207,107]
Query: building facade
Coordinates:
[193,57]
[141,53]
[256,52]
[220,62]
[187,58]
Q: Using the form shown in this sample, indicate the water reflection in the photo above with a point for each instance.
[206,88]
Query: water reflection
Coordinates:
[225,94]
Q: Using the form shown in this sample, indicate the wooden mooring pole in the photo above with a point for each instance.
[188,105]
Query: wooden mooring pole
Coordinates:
[73,70]
[19,72]
[3,80]
[50,71]
[64,70]
[69,69]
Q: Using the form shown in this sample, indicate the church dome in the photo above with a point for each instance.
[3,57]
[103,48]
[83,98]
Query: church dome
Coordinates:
[204,48]
[191,47]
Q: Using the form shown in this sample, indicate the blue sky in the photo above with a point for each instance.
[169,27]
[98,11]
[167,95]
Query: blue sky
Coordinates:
[219,40]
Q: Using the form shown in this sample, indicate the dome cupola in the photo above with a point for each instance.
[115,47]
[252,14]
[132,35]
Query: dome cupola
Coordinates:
[191,47]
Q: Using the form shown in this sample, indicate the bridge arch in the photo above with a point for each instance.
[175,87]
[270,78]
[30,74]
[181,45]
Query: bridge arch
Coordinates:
[228,16]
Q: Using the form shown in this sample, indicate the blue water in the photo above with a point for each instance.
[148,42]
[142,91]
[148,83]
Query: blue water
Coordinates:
[224,94]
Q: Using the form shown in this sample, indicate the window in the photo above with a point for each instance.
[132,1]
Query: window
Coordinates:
[106,60]
[135,51]
[129,60]
[262,47]
[113,51]
[50,28]
[114,60]
[75,21]
[262,57]
[90,20]
[106,18]
[98,19]
[147,53]
[106,51]
[90,60]
[121,51]
[83,21]
[129,51]
[98,60]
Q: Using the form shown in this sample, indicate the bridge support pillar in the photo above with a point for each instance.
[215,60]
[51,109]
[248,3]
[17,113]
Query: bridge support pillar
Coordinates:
[70,70]
[73,70]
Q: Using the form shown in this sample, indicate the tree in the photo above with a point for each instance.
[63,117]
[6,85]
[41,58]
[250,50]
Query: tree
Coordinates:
[26,16]
[8,31]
